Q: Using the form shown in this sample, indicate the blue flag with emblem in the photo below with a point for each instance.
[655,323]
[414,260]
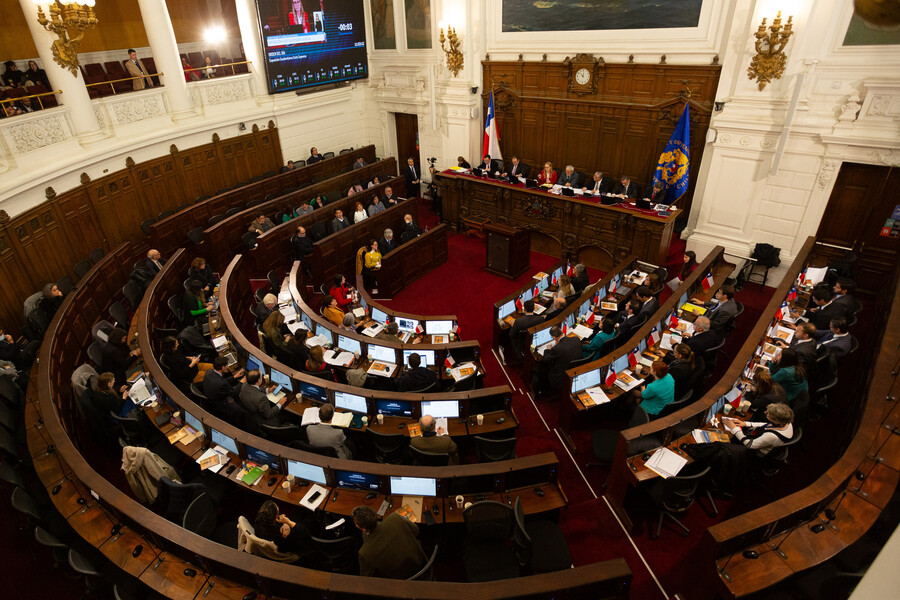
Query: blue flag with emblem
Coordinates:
[675,161]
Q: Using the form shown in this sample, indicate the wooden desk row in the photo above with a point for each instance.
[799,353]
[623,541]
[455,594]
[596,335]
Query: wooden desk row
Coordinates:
[613,230]
[169,233]
[409,262]
[500,324]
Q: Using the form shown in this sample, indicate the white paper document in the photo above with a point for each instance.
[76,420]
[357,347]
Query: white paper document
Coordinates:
[276,395]
[373,330]
[359,313]
[464,370]
[213,452]
[669,341]
[539,308]
[598,395]
[341,360]
[320,498]
[310,416]
[628,380]
[582,332]
[382,369]
[815,276]
[665,463]
[342,419]
[296,326]
[317,340]
[284,296]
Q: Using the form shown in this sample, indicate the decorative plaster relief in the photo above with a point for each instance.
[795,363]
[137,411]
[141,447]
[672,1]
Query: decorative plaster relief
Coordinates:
[829,168]
[132,110]
[35,132]
[227,91]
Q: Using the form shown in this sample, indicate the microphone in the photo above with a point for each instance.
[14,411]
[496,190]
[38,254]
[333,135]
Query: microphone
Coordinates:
[777,548]
[749,554]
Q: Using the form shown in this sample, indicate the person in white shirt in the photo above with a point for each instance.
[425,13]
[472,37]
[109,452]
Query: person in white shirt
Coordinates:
[360,213]
[776,431]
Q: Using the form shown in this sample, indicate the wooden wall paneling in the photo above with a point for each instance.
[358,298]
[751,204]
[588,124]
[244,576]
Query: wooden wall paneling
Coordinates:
[160,186]
[117,205]
[83,230]
[198,168]
[41,245]
[18,282]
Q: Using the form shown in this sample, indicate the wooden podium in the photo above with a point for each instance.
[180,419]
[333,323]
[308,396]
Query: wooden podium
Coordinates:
[508,251]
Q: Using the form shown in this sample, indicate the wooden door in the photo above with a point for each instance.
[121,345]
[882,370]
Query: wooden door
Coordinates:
[864,197]
[407,140]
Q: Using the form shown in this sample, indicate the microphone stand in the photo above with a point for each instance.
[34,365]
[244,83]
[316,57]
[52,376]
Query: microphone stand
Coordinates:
[831,514]
[777,548]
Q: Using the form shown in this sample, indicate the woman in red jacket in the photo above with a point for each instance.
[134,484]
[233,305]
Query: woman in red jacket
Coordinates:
[342,291]
[548,174]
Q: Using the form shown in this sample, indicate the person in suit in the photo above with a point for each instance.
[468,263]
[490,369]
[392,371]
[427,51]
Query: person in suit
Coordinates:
[721,313]
[389,198]
[548,175]
[516,169]
[632,319]
[301,243]
[323,435]
[559,305]
[136,68]
[702,339]
[183,371]
[433,440]
[656,193]
[843,290]
[375,207]
[836,339]
[825,309]
[154,262]
[462,163]
[221,388]
[579,278]
[265,307]
[261,224]
[557,359]
[625,188]
[410,229]
[116,357]
[339,222]
[387,244]
[489,164]
[599,184]
[314,156]
[593,348]
[253,398]
[804,344]
[389,333]
[521,324]
[569,178]
[359,164]
[415,376]
[413,178]
[390,549]
[660,392]
[649,302]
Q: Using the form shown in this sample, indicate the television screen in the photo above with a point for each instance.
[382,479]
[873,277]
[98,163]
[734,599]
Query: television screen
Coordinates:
[438,327]
[223,440]
[541,337]
[586,380]
[193,421]
[414,486]
[281,379]
[441,408]
[312,42]
[621,363]
[254,363]
[304,471]
[348,344]
[382,353]
[308,322]
[407,325]
[351,402]
[507,309]
[379,316]
[313,392]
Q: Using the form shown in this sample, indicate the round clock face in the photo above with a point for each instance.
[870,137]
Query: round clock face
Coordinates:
[582,76]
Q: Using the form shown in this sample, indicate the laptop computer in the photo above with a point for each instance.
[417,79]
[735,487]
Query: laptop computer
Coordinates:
[608,200]
[531,183]
[644,204]
[567,191]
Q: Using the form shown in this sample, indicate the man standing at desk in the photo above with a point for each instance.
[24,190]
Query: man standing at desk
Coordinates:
[569,178]
[391,548]
[434,440]
[413,178]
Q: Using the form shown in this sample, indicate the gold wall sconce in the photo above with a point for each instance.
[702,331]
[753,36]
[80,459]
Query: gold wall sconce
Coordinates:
[454,56]
[770,60]
[68,21]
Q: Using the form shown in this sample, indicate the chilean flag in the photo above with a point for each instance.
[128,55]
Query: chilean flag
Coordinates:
[536,292]
[456,329]
[449,362]
[792,295]
[610,376]
[519,304]
[590,318]
[707,281]
[419,329]
[555,280]
[632,358]
[565,329]
[673,320]
[612,286]
[653,338]
[568,269]
[737,401]
[802,277]
[491,133]
[783,310]
[597,298]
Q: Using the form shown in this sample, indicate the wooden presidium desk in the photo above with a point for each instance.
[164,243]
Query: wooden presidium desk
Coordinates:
[573,221]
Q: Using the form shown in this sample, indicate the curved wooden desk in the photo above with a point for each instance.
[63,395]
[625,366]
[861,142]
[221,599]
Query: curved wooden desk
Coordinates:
[500,326]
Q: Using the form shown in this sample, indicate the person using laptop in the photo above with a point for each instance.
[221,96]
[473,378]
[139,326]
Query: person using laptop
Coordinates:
[516,169]
[599,185]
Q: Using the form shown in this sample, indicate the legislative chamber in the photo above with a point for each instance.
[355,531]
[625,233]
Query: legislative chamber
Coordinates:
[504,300]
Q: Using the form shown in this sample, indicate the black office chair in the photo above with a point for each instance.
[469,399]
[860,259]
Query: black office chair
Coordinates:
[133,293]
[604,440]
[339,555]
[321,451]
[81,268]
[197,392]
[130,428]
[800,406]
[120,315]
[434,387]
[249,239]
[770,464]
[96,255]
[200,518]
[215,219]
[540,545]
[427,572]
[328,155]
[474,381]
[176,305]
[676,405]
[854,345]
[195,235]
[488,555]
[429,459]
[711,357]
[274,281]
[175,497]
[389,447]
[95,353]
[281,434]
[145,226]
[233,211]
[346,151]
[675,495]
[299,163]
[491,450]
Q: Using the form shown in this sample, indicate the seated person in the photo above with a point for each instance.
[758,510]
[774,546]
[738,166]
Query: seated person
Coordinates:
[556,361]
[410,229]
[266,306]
[261,224]
[202,272]
[360,213]
[331,310]
[105,399]
[349,322]
[763,391]
[632,320]
[789,374]
[288,348]
[390,549]
[599,184]
[580,278]
[607,331]
[314,156]
[341,291]
[656,193]
[522,324]
[764,436]
[489,164]
[688,265]
[253,398]
[804,344]
[559,305]
[836,339]
[116,357]
[154,262]
[516,168]
[569,178]
[654,283]
[824,308]
[375,181]
[10,351]
[389,198]
[626,188]
[289,537]
[376,207]
[302,244]
[182,370]
[371,264]
[195,303]
[360,163]
[660,392]
[389,333]
[415,377]
[843,298]
[51,300]
[339,222]
[565,288]
[682,369]
[649,302]
[323,435]
[702,339]
[462,163]
[221,388]
[722,310]
[288,167]
[547,175]
[433,440]
[387,244]
[316,360]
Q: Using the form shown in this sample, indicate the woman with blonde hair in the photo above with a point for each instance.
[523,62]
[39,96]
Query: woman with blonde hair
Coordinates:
[565,288]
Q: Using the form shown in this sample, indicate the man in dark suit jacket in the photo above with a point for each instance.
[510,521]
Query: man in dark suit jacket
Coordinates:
[631,319]
[516,169]
[253,398]
[222,389]
[323,435]
[415,376]
[390,549]
[489,164]
[410,229]
[339,222]
[301,243]
[569,178]
[266,306]
[703,339]
[559,305]
[626,188]
[154,262]
[656,193]
[825,309]
[389,199]
[433,440]
[413,178]
[557,359]
[721,313]
[649,302]
[599,184]
[523,323]
[804,344]
[843,289]
[387,243]
[314,156]
[836,339]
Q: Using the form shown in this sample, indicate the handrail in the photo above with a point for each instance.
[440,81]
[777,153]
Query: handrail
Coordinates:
[122,79]
[38,96]
[217,65]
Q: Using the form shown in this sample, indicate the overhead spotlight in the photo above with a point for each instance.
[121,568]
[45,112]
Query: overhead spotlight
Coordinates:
[214,34]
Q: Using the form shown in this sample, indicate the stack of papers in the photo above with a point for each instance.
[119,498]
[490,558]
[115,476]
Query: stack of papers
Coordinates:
[310,416]
[545,347]
[251,474]
[669,341]
[539,308]
[582,332]
[213,459]
[373,330]
[540,275]
[814,276]
[593,396]
[276,395]
[359,313]
[626,380]
[411,508]
[693,308]
[284,297]
[317,340]
[296,326]
[440,338]
[702,436]
[440,424]
[382,368]
[785,334]
[665,463]
[464,370]
[609,306]
[341,360]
